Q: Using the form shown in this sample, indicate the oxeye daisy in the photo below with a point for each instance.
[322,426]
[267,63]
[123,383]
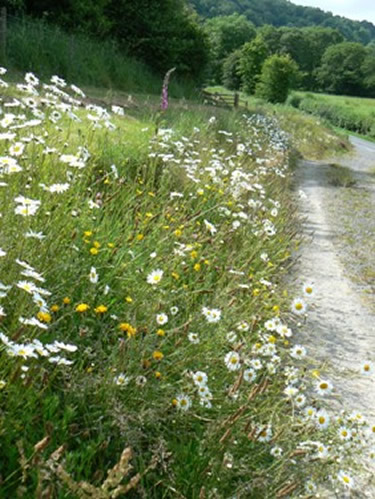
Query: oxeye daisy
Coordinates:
[310,412]
[121,379]
[161,319]
[200,378]
[300,400]
[298,352]
[232,361]
[211,314]
[291,391]
[155,277]
[183,402]
[323,387]
[346,480]
[367,368]
[249,375]
[265,434]
[298,306]
[308,289]
[322,419]
[344,433]
[310,487]
[276,451]
[193,338]
[93,275]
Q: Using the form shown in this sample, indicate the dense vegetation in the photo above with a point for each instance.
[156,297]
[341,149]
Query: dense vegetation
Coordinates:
[284,13]
[163,34]
[354,114]
[146,329]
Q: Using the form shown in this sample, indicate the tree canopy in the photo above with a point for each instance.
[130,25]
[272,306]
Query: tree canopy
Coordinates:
[284,13]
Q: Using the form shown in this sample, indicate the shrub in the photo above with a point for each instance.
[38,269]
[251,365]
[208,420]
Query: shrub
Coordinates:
[279,73]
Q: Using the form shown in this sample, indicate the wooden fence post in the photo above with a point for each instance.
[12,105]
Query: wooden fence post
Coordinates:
[3,35]
[236,99]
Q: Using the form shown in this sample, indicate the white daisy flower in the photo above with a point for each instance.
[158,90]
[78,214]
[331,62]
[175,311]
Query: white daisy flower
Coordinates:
[344,433]
[93,276]
[174,310]
[298,306]
[161,319]
[232,361]
[200,378]
[211,314]
[193,338]
[155,276]
[298,352]
[322,419]
[344,478]
[183,402]
[323,387]
[249,375]
[121,379]
[308,289]
[367,368]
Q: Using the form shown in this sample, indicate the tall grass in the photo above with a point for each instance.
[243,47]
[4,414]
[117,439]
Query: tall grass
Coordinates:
[46,49]
[351,113]
[144,315]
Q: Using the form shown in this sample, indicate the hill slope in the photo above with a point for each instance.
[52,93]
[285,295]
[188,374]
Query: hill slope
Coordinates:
[284,13]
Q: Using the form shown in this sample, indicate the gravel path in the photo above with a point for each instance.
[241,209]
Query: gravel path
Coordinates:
[340,329]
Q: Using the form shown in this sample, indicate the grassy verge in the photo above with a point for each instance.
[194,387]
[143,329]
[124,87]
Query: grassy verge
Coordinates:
[34,45]
[354,114]
[145,326]
[308,136]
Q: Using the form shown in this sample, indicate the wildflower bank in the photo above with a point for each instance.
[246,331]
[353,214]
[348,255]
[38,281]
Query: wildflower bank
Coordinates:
[142,308]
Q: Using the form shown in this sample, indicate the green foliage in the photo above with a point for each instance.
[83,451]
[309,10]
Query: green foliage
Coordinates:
[34,45]
[354,114]
[163,34]
[231,71]
[253,55]
[278,76]
[341,69]
[284,13]
[226,34]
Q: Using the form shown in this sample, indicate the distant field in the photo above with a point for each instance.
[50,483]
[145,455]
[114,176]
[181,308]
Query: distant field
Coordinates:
[355,114]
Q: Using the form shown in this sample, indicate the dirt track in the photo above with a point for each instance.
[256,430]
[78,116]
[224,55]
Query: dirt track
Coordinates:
[340,329]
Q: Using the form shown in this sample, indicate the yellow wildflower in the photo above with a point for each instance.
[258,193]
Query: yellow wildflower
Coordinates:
[94,251]
[157,355]
[82,307]
[128,328]
[44,316]
[100,309]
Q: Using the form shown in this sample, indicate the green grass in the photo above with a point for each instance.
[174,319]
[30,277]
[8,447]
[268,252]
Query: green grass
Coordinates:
[353,114]
[45,49]
[202,196]
[308,137]
[340,176]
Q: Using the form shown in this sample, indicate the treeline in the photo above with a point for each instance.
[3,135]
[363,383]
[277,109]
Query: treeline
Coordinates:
[323,59]
[227,50]
[284,13]
[162,34]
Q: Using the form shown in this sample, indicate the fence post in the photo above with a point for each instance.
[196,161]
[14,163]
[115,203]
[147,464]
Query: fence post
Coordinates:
[3,35]
[236,99]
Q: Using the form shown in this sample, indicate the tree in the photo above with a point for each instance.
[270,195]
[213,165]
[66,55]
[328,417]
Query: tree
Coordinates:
[279,73]
[341,71]
[164,34]
[231,68]
[252,58]
[368,70]
[225,35]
